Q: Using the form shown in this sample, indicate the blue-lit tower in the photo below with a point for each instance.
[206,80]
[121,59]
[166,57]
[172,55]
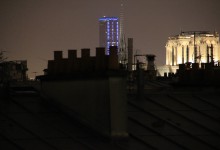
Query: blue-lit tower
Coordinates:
[108,32]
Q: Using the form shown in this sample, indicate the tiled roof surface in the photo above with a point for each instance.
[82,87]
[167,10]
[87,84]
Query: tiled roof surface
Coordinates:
[177,118]
[166,118]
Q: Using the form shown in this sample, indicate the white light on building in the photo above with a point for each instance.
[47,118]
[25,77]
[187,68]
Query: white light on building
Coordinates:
[192,47]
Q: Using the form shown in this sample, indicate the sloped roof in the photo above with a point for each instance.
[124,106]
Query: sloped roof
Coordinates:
[166,118]
[177,117]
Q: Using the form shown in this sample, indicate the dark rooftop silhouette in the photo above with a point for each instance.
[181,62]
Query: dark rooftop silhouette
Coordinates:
[167,118]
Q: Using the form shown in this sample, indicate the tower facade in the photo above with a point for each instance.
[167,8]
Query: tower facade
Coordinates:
[108,32]
[193,47]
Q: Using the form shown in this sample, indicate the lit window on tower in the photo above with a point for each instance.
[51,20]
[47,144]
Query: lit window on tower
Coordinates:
[111,29]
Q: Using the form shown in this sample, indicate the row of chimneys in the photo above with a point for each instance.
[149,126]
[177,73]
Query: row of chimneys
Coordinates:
[85,53]
[73,64]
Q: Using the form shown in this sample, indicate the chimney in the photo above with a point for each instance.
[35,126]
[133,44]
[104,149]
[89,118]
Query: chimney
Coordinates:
[72,54]
[130,53]
[150,59]
[100,58]
[113,58]
[58,55]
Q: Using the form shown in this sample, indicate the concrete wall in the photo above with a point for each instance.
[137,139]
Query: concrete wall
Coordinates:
[98,103]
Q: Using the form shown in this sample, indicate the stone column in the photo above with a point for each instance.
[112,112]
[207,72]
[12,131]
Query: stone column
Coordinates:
[172,56]
[167,55]
[179,54]
[207,54]
[203,52]
[195,54]
[215,49]
[182,54]
[187,53]
[191,50]
[176,56]
[212,56]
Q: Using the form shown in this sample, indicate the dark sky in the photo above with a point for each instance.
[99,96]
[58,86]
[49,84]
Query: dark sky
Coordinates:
[33,29]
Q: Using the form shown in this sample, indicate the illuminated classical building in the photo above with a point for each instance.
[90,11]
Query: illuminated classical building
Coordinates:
[193,47]
[108,32]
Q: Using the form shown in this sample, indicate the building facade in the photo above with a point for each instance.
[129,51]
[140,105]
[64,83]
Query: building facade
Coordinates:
[13,70]
[108,32]
[193,47]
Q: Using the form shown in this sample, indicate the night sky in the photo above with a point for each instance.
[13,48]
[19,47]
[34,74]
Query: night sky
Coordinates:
[32,29]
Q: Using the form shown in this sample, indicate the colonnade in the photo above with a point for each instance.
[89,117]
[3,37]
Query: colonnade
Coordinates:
[179,51]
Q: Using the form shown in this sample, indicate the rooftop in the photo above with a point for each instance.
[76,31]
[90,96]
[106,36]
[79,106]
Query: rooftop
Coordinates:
[191,34]
[167,118]
[108,18]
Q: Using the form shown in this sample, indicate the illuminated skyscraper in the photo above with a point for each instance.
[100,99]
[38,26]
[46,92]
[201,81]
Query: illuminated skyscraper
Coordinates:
[108,32]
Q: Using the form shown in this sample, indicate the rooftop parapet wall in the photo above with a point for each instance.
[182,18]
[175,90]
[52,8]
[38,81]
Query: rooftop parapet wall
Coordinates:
[87,63]
[207,74]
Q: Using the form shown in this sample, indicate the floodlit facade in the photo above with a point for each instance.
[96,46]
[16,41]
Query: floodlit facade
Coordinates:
[193,47]
[108,32]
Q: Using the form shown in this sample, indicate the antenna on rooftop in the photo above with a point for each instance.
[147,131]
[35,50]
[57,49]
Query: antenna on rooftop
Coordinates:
[121,17]
[122,43]
[181,30]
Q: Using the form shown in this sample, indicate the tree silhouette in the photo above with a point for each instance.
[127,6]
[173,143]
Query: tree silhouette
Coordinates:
[2,57]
